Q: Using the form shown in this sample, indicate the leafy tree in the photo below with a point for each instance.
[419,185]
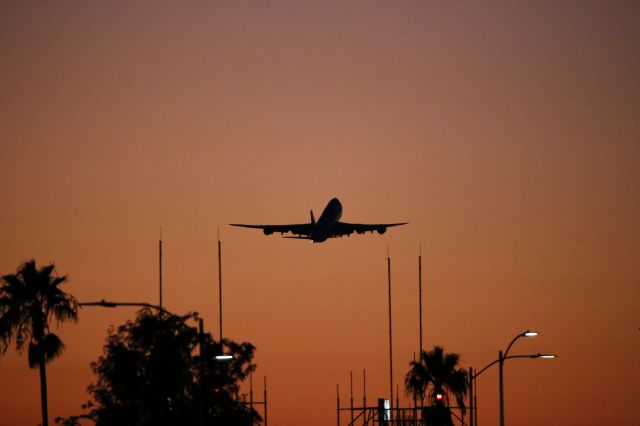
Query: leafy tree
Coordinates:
[151,372]
[437,373]
[29,299]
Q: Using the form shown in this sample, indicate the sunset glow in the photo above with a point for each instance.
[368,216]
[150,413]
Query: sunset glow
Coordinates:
[506,133]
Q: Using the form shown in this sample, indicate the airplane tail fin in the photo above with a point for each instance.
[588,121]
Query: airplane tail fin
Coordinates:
[313,219]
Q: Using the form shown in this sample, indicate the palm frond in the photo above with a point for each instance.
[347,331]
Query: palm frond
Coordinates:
[436,372]
[29,298]
[52,347]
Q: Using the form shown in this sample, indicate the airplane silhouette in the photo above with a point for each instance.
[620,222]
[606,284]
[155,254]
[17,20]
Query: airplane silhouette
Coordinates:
[327,226]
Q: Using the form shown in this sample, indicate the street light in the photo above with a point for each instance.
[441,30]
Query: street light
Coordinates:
[110,304]
[527,333]
[224,357]
[502,357]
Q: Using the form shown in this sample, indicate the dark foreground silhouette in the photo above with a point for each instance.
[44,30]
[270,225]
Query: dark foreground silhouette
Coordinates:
[29,300]
[431,379]
[152,372]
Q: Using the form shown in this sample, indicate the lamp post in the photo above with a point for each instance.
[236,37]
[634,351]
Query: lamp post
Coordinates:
[110,304]
[502,357]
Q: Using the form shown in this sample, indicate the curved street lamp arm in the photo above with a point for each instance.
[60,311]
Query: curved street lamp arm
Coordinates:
[487,366]
[527,333]
[512,342]
[111,304]
[538,355]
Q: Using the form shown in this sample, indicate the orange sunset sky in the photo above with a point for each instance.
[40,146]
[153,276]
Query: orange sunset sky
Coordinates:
[506,133]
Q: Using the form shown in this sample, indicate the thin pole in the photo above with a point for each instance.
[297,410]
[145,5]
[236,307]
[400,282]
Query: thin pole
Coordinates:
[338,404]
[501,387]
[397,401]
[251,395]
[390,336]
[420,310]
[470,384]
[220,282]
[43,390]
[265,401]
[160,266]
[475,404]
[351,394]
[201,372]
[420,295]
[364,394]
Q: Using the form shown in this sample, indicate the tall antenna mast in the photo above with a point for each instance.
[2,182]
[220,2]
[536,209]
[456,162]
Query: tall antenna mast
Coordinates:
[220,281]
[390,339]
[364,388]
[351,394]
[160,266]
[420,296]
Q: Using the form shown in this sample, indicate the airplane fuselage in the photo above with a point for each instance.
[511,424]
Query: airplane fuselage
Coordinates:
[327,226]
[329,217]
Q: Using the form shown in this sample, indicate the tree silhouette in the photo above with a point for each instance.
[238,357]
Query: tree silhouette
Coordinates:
[436,373]
[151,372]
[29,299]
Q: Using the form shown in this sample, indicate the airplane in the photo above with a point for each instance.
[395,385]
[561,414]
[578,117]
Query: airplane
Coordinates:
[327,226]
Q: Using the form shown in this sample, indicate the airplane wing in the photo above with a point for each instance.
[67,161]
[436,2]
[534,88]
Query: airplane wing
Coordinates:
[296,229]
[343,228]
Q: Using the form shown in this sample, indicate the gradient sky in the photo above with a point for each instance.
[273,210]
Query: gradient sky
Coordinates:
[507,133]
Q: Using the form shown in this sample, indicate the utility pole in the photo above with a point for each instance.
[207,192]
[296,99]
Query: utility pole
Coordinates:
[265,401]
[364,389]
[220,282]
[501,385]
[471,407]
[251,392]
[201,372]
[420,312]
[160,266]
[338,405]
[351,395]
[390,338]
[420,297]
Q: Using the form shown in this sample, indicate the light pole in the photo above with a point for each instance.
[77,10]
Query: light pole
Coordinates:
[502,357]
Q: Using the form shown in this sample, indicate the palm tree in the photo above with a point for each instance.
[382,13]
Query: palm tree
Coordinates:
[29,299]
[436,373]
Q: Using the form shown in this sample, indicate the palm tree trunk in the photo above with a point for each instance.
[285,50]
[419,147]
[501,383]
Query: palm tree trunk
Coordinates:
[43,392]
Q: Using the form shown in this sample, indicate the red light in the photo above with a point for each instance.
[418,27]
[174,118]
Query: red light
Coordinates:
[439,397]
